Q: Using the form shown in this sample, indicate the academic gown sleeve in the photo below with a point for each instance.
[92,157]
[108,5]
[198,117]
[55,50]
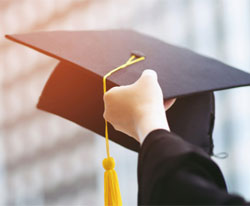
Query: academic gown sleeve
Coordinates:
[174,172]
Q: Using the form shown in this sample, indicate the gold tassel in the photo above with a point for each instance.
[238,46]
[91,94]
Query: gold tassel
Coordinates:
[112,195]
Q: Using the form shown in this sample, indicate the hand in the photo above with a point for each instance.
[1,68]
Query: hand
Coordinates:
[137,109]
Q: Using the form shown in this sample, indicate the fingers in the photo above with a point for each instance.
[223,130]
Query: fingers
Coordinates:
[110,98]
[147,82]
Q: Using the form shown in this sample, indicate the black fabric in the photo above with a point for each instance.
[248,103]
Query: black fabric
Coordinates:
[192,118]
[174,172]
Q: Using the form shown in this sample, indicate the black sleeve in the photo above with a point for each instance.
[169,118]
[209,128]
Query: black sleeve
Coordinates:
[174,172]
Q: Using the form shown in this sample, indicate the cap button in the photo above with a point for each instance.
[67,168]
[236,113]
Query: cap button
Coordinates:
[138,54]
[108,163]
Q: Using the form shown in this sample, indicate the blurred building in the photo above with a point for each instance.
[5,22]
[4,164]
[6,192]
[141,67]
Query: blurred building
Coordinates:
[46,160]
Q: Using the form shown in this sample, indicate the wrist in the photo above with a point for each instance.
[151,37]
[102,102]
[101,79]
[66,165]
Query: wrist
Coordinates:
[149,122]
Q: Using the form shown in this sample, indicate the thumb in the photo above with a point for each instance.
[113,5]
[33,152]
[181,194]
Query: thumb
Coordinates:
[148,75]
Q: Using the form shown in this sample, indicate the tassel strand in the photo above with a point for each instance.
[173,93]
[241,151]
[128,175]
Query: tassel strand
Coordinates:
[112,195]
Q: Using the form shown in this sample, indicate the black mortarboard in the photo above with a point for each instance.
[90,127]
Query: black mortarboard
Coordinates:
[75,90]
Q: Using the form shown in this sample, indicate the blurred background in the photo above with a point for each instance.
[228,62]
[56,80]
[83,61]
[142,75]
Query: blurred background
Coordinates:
[46,160]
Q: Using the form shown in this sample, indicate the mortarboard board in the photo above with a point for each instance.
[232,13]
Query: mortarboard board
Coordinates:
[74,89]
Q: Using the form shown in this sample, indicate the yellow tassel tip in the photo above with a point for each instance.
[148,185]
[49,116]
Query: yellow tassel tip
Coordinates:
[112,195]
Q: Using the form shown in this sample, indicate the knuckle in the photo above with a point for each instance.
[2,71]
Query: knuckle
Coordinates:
[114,89]
[107,96]
[116,127]
[104,115]
[111,94]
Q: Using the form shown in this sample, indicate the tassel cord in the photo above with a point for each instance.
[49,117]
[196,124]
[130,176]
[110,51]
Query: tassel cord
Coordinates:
[112,196]
[131,61]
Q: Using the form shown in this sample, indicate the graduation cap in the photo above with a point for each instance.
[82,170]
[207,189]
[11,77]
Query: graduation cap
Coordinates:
[75,88]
